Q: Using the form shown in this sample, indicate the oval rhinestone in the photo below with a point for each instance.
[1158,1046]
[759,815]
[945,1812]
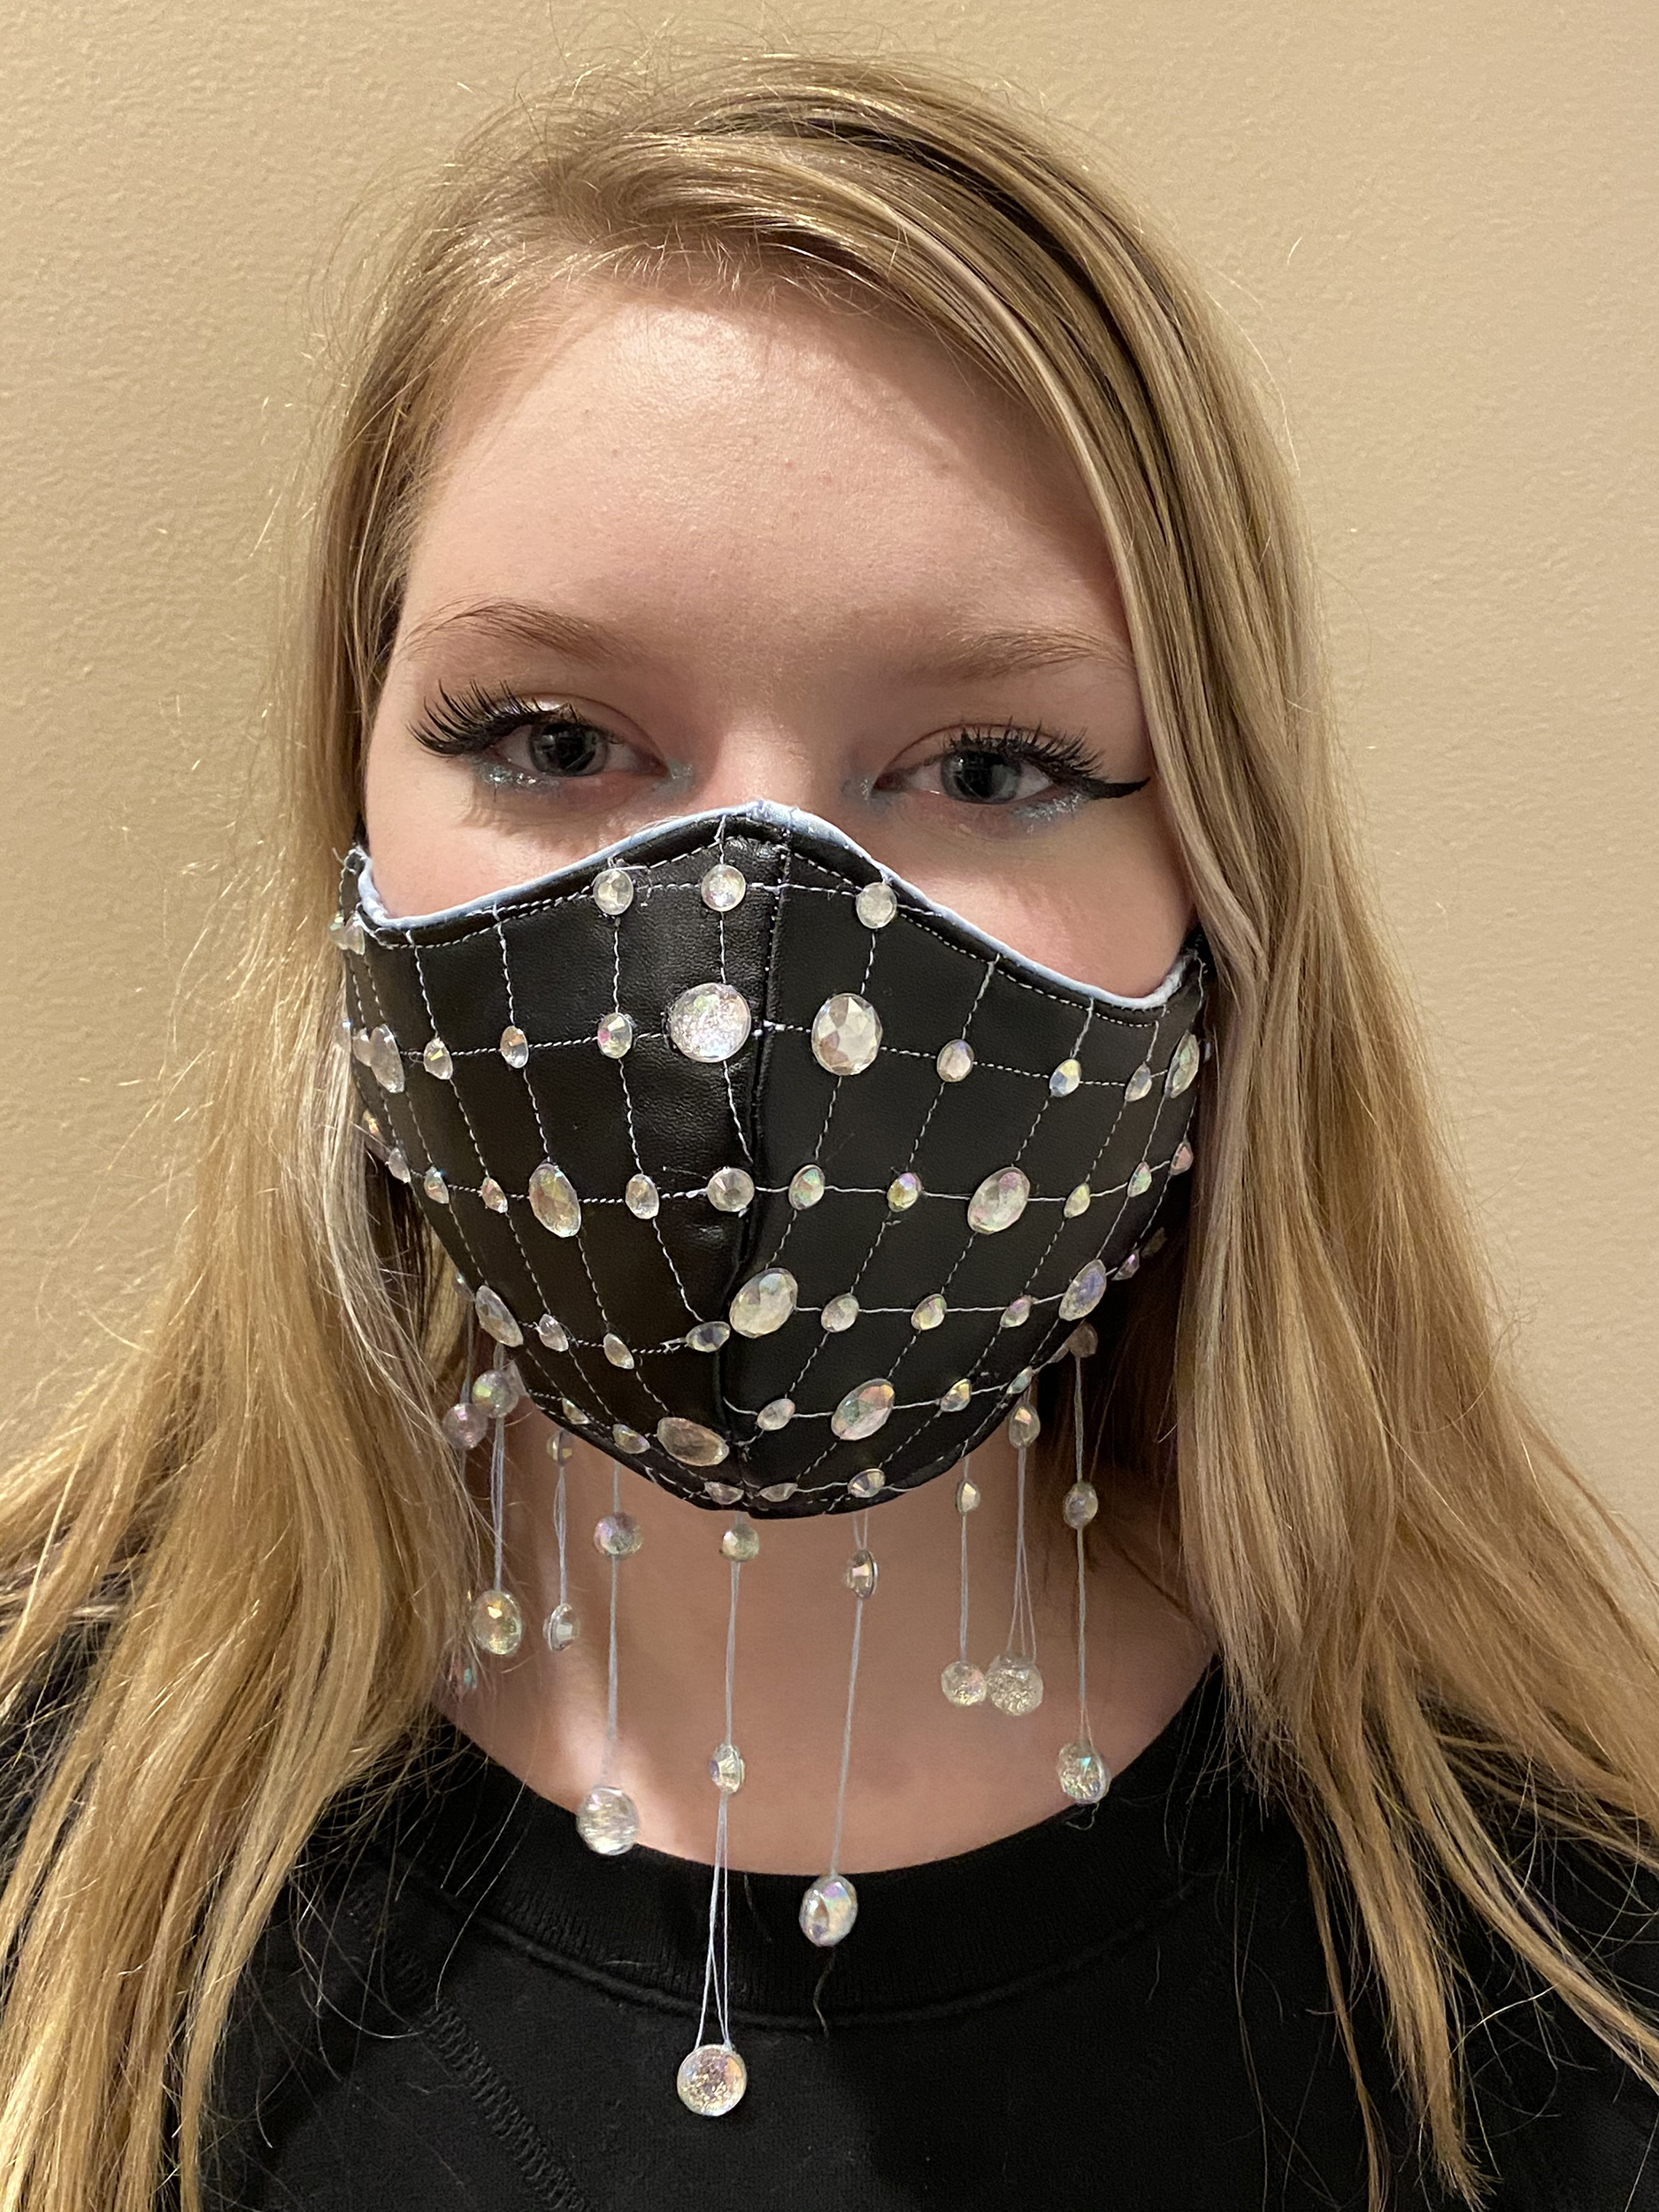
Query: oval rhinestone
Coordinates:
[806,1187]
[493,1195]
[867,1482]
[860,1574]
[1083,1342]
[1020,1384]
[1064,1080]
[1024,1427]
[956,1061]
[846,1033]
[708,1336]
[397,1163]
[608,1821]
[436,1189]
[1183,1066]
[777,1414]
[1181,1159]
[723,887]
[1015,1313]
[968,1494]
[385,1061]
[573,1413]
[1131,1266]
[616,1351]
[515,1048]
[494,1317]
[497,1624]
[561,1628]
[1085,1776]
[1084,1292]
[731,1190]
[726,1769]
[552,1334]
[876,905]
[615,1035]
[613,891]
[828,1910]
[641,1197]
[775,1492]
[712,2080]
[1141,1180]
[962,1683]
[628,1439]
[840,1314]
[464,1425]
[930,1313]
[496,1392]
[437,1061]
[689,1442]
[863,1412]
[554,1202]
[741,1540]
[1079,1505]
[955,1399]
[999,1202]
[617,1535]
[1078,1202]
[709,1022]
[346,931]
[723,1492]
[360,1046]
[764,1303]
[1014,1684]
[903,1191]
[1138,1084]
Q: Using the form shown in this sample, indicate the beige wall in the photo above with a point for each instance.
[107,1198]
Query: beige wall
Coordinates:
[1434,220]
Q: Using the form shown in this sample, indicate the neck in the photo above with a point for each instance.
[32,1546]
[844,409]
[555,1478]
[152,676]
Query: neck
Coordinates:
[927,1779]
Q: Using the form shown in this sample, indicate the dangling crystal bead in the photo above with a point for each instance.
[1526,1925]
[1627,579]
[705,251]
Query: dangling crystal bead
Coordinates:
[552,1334]
[708,1336]
[776,1415]
[731,1190]
[1141,1180]
[562,1627]
[860,1573]
[867,1482]
[806,1187]
[712,2080]
[615,1035]
[1085,1776]
[495,1393]
[689,1442]
[962,1683]
[968,1494]
[1078,1202]
[723,887]
[903,1191]
[436,1061]
[616,1351]
[617,1535]
[493,1195]
[955,1062]
[1015,1314]
[1079,1505]
[741,1538]
[828,1910]
[840,1314]
[709,1022]
[1183,1066]
[929,1314]
[1024,1427]
[1084,1292]
[1066,1080]
[640,1198]
[385,1061]
[613,891]
[464,1425]
[553,1200]
[628,1439]
[764,1302]
[876,905]
[436,1189]
[515,1047]
[846,1033]
[726,1769]
[955,1399]
[497,1624]
[1013,1682]
[999,1202]
[1083,1342]
[494,1319]
[608,1821]
[1181,1159]
[863,1412]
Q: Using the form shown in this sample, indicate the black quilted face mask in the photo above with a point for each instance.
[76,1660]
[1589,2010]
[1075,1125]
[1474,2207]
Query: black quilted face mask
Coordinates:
[780,1181]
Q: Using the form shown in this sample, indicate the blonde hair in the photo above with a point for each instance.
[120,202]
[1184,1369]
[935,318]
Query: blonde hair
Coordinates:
[254,1529]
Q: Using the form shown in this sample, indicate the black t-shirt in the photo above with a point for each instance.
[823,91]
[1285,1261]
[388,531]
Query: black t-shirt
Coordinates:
[1124,2006]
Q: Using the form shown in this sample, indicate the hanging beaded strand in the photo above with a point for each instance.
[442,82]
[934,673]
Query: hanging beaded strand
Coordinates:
[961,1682]
[1013,1680]
[712,2077]
[498,1622]
[562,1625]
[1085,1776]
[830,1905]
[608,1819]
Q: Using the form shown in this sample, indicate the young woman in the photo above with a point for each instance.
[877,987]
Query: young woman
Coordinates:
[812,968]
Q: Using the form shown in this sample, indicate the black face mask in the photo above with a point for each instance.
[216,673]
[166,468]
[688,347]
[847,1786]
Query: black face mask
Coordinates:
[780,1181]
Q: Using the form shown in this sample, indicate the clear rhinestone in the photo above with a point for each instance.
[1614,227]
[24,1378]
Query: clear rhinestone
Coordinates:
[860,1574]
[436,1189]
[777,1414]
[955,1399]
[863,1412]
[930,1313]
[385,1061]
[711,2080]
[764,1302]
[1066,1080]
[1078,1202]
[828,1910]
[553,1200]
[726,1769]
[616,1351]
[741,1538]
[436,1061]
[1014,1684]
[875,905]
[562,1627]
[1183,1066]
[775,1492]
[723,1492]
[397,1163]
[628,1439]
[464,1425]
[494,1317]
[360,1046]
[1015,1313]
[515,1047]
[903,1191]
[1024,1427]
[867,1482]
[1131,1266]
[1079,1505]
[846,1033]
[617,1535]
[1138,1084]
[608,1821]
[1083,1342]
[641,1197]
[1156,1242]
[709,1022]
[1084,1292]
[731,1190]
[1020,1384]
[1181,1158]
[615,1035]
[956,1061]
[962,1683]
[613,891]
[689,1442]
[573,1413]
[999,1202]
[496,1392]
[497,1624]
[840,1314]
[552,1334]
[723,887]
[708,1336]
[806,1187]
[345,932]
[493,1195]
[968,1494]
[1141,1180]
[1085,1776]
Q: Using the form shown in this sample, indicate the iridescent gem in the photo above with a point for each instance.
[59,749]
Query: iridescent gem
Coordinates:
[723,1492]
[859,1574]
[360,1046]
[397,1163]
[1066,1078]
[689,1442]
[514,1046]
[1141,1180]
[1183,1066]
[497,1624]
[562,1627]
[764,1302]
[464,1425]
[641,1197]
[775,1492]
[493,1195]
[962,1683]
[903,1191]
[613,891]
[1084,1292]
[1138,1084]
[616,1351]
[436,1060]
[846,1033]
[828,1910]
[573,1413]
[1024,1427]
[615,1035]
[806,1187]
[708,1336]
[726,1769]
[436,1189]
[863,1412]
[1020,1384]
[1015,1313]
[1079,1505]
[875,905]
[955,1399]
[709,1022]
[741,1538]
[617,1535]
[554,1202]
[494,1317]
[956,1061]
[711,2080]
[608,1821]
[1156,1242]
[930,1313]
[552,1334]
[496,1392]
[385,1061]
[840,1314]
[1078,1202]
[1083,1342]
[968,1494]
[1181,1159]
[628,1439]
[1085,1776]
[1131,1266]
[999,1202]
[1013,1682]
[731,1190]
[723,887]
[777,1414]
[346,932]
[867,1482]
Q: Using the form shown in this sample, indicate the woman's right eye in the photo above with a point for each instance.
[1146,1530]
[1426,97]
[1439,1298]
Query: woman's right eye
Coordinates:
[525,745]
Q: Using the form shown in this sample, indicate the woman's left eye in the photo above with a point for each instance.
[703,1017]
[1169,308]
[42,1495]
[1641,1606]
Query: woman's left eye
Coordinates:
[1005,768]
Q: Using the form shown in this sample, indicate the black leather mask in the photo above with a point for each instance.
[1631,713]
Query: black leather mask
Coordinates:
[779,1179]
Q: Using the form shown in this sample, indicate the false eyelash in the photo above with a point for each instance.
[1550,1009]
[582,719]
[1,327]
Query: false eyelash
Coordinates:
[1066,759]
[477,719]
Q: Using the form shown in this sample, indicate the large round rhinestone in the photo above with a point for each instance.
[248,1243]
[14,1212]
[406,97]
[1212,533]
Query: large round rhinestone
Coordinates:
[956,1061]
[1013,1682]
[553,1200]
[828,1910]
[741,1540]
[497,1624]
[863,1412]
[876,905]
[1084,1292]
[1085,1776]
[608,1821]
[464,1425]
[613,891]
[929,1314]
[385,1061]
[903,1191]
[615,1035]
[806,1187]
[846,1033]
[496,1392]
[999,1202]
[1183,1066]
[962,1683]
[731,1189]
[641,1197]
[723,887]
[711,2080]
[764,1302]
[709,1022]
[618,1535]
[494,1317]
[515,1048]
[689,1442]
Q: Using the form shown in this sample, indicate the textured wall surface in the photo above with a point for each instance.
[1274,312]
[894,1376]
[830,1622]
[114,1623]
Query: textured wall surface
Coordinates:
[1435,224]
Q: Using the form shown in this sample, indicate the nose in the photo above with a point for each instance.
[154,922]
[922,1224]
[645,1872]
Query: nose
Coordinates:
[784,763]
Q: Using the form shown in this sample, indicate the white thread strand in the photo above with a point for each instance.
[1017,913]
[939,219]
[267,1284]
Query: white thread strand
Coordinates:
[498,1473]
[1082,1588]
[610,1662]
[861,1524]
[1022,1627]
[718,1982]
[559,1525]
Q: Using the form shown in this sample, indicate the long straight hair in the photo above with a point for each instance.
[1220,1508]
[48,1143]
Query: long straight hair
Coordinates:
[253,1525]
